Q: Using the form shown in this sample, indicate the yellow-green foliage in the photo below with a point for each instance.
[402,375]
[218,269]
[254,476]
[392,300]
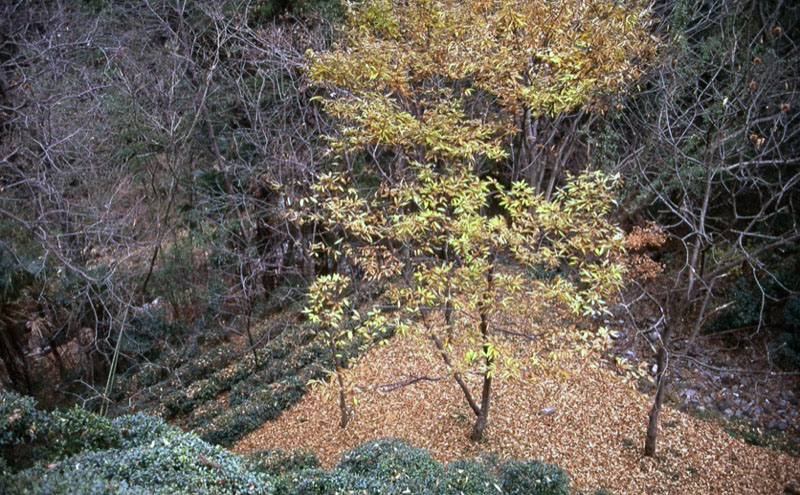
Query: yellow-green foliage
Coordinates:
[441,85]
[409,73]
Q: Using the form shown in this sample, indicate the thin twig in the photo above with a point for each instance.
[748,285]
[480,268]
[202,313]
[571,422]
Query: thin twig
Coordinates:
[388,387]
[736,370]
[516,334]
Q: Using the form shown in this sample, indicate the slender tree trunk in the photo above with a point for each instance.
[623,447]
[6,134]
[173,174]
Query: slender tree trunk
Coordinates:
[456,376]
[523,154]
[700,319]
[345,411]
[479,428]
[662,365]
[249,333]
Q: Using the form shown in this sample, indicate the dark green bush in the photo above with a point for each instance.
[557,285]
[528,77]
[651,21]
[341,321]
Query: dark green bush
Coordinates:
[173,463]
[787,345]
[77,452]
[140,429]
[744,310]
[264,404]
[20,421]
[533,478]
[28,435]
[81,453]
[280,462]
[293,359]
[391,466]
[381,467]
[471,477]
[72,431]
[150,333]
[16,271]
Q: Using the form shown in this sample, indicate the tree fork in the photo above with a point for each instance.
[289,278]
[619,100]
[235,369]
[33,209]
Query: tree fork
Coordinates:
[457,376]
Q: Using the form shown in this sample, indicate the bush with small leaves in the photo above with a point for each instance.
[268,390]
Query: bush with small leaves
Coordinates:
[75,430]
[142,455]
[140,429]
[393,464]
[19,419]
[533,478]
[787,345]
[472,477]
[154,458]
[281,462]
[266,403]
[28,435]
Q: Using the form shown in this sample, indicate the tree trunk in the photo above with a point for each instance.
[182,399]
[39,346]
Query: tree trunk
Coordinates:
[249,333]
[345,411]
[522,156]
[479,428]
[662,363]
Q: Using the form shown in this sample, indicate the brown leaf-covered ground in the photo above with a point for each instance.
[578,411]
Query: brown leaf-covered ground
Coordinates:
[596,432]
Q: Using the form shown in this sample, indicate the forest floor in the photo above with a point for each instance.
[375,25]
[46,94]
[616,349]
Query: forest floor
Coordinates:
[588,419]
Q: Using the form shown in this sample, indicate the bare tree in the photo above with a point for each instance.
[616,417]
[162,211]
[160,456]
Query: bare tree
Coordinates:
[711,144]
[138,135]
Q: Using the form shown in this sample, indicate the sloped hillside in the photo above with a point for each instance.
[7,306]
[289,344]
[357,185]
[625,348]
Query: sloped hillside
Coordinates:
[77,452]
[585,418]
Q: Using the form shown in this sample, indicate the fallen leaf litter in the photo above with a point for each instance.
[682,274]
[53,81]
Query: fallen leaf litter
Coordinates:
[584,418]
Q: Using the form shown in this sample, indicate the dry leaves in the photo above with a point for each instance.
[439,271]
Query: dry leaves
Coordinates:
[595,432]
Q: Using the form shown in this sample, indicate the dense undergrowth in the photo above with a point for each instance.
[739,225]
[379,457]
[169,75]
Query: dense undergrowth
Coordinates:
[78,452]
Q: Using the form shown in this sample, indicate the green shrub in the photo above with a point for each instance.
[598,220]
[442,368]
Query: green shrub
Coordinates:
[293,360]
[140,429]
[391,466]
[75,430]
[175,463]
[81,453]
[28,435]
[20,421]
[470,477]
[281,462]
[787,345]
[265,404]
[150,333]
[135,454]
[17,270]
[533,478]
[745,308]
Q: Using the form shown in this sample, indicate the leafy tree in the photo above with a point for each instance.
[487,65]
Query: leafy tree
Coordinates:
[434,249]
[444,80]
[330,310]
[435,92]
